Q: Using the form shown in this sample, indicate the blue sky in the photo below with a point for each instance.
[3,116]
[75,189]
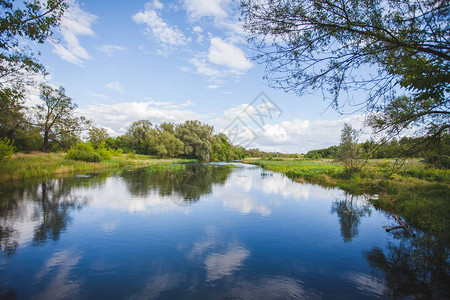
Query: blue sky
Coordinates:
[122,61]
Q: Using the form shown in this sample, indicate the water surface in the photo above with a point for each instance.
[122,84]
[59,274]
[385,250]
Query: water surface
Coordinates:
[206,231]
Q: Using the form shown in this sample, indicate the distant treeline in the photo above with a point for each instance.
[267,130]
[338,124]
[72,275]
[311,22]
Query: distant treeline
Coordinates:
[407,147]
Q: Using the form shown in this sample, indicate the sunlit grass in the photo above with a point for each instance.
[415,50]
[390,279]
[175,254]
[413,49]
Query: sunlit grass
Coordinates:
[23,166]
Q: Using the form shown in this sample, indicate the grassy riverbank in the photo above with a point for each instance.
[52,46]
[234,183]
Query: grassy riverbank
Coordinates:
[419,194]
[24,166]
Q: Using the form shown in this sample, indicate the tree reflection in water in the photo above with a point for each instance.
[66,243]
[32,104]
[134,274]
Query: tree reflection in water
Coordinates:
[56,201]
[45,205]
[189,181]
[350,211]
[417,267]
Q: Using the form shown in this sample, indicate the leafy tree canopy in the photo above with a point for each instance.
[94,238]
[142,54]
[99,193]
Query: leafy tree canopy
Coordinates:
[56,118]
[30,20]
[383,47]
[197,138]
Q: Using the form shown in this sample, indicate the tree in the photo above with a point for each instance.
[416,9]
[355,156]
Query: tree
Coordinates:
[197,138]
[380,47]
[348,152]
[12,112]
[56,118]
[97,135]
[221,148]
[32,20]
[138,136]
[165,143]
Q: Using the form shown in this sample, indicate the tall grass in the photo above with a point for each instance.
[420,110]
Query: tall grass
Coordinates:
[24,166]
[416,192]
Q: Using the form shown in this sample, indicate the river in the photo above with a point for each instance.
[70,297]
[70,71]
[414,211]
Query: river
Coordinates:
[206,231]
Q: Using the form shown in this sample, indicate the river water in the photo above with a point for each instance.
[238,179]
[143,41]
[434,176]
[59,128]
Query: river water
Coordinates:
[206,231]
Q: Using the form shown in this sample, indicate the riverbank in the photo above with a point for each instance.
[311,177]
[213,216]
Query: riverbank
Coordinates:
[24,166]
[419,194]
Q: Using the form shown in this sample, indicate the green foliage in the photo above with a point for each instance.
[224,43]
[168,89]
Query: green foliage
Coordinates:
[6,148]
[197,139]
[381,47]
[83,152]
[86,152]
[223,150]
[97,136]
[12,112]
[349,152]
[20,24]
[330,152]
[24,166]
[138,137]
[164,143]
[56,118]
[439,161]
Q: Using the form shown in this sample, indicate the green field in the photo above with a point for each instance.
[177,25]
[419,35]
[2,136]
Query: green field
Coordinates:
[416,192]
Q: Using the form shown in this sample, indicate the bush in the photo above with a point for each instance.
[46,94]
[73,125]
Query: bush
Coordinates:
[439,161]
[83,152]
[86,152]
[6,148]
[82,155]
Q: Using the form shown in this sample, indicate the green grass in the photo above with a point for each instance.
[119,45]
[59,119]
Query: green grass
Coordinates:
[419,194]
[25,166]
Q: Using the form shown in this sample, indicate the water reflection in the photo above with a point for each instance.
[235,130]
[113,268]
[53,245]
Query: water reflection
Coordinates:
[189,181]
[417,267]
[220,258]
[38,211]
[253,236]
[273,288]
[56,275]
[350,210]
[56,201]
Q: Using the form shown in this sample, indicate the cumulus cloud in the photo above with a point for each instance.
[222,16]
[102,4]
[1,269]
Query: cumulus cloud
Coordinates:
[115,85]
[228,55]
[197,9]
[157,28]
[242,124]
[119,116]
[222,59]
[303,135]
[74,23]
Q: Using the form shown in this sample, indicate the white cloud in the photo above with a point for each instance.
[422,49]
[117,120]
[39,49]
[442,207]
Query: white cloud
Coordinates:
[165,34]
[204,68]
[223,59]
[197,9]
[157,4]
[74,23]
[293,136]
[213,86]
[228,55]
[119,116]
[303,135]
[197,29]
[115,85]
[109,50]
